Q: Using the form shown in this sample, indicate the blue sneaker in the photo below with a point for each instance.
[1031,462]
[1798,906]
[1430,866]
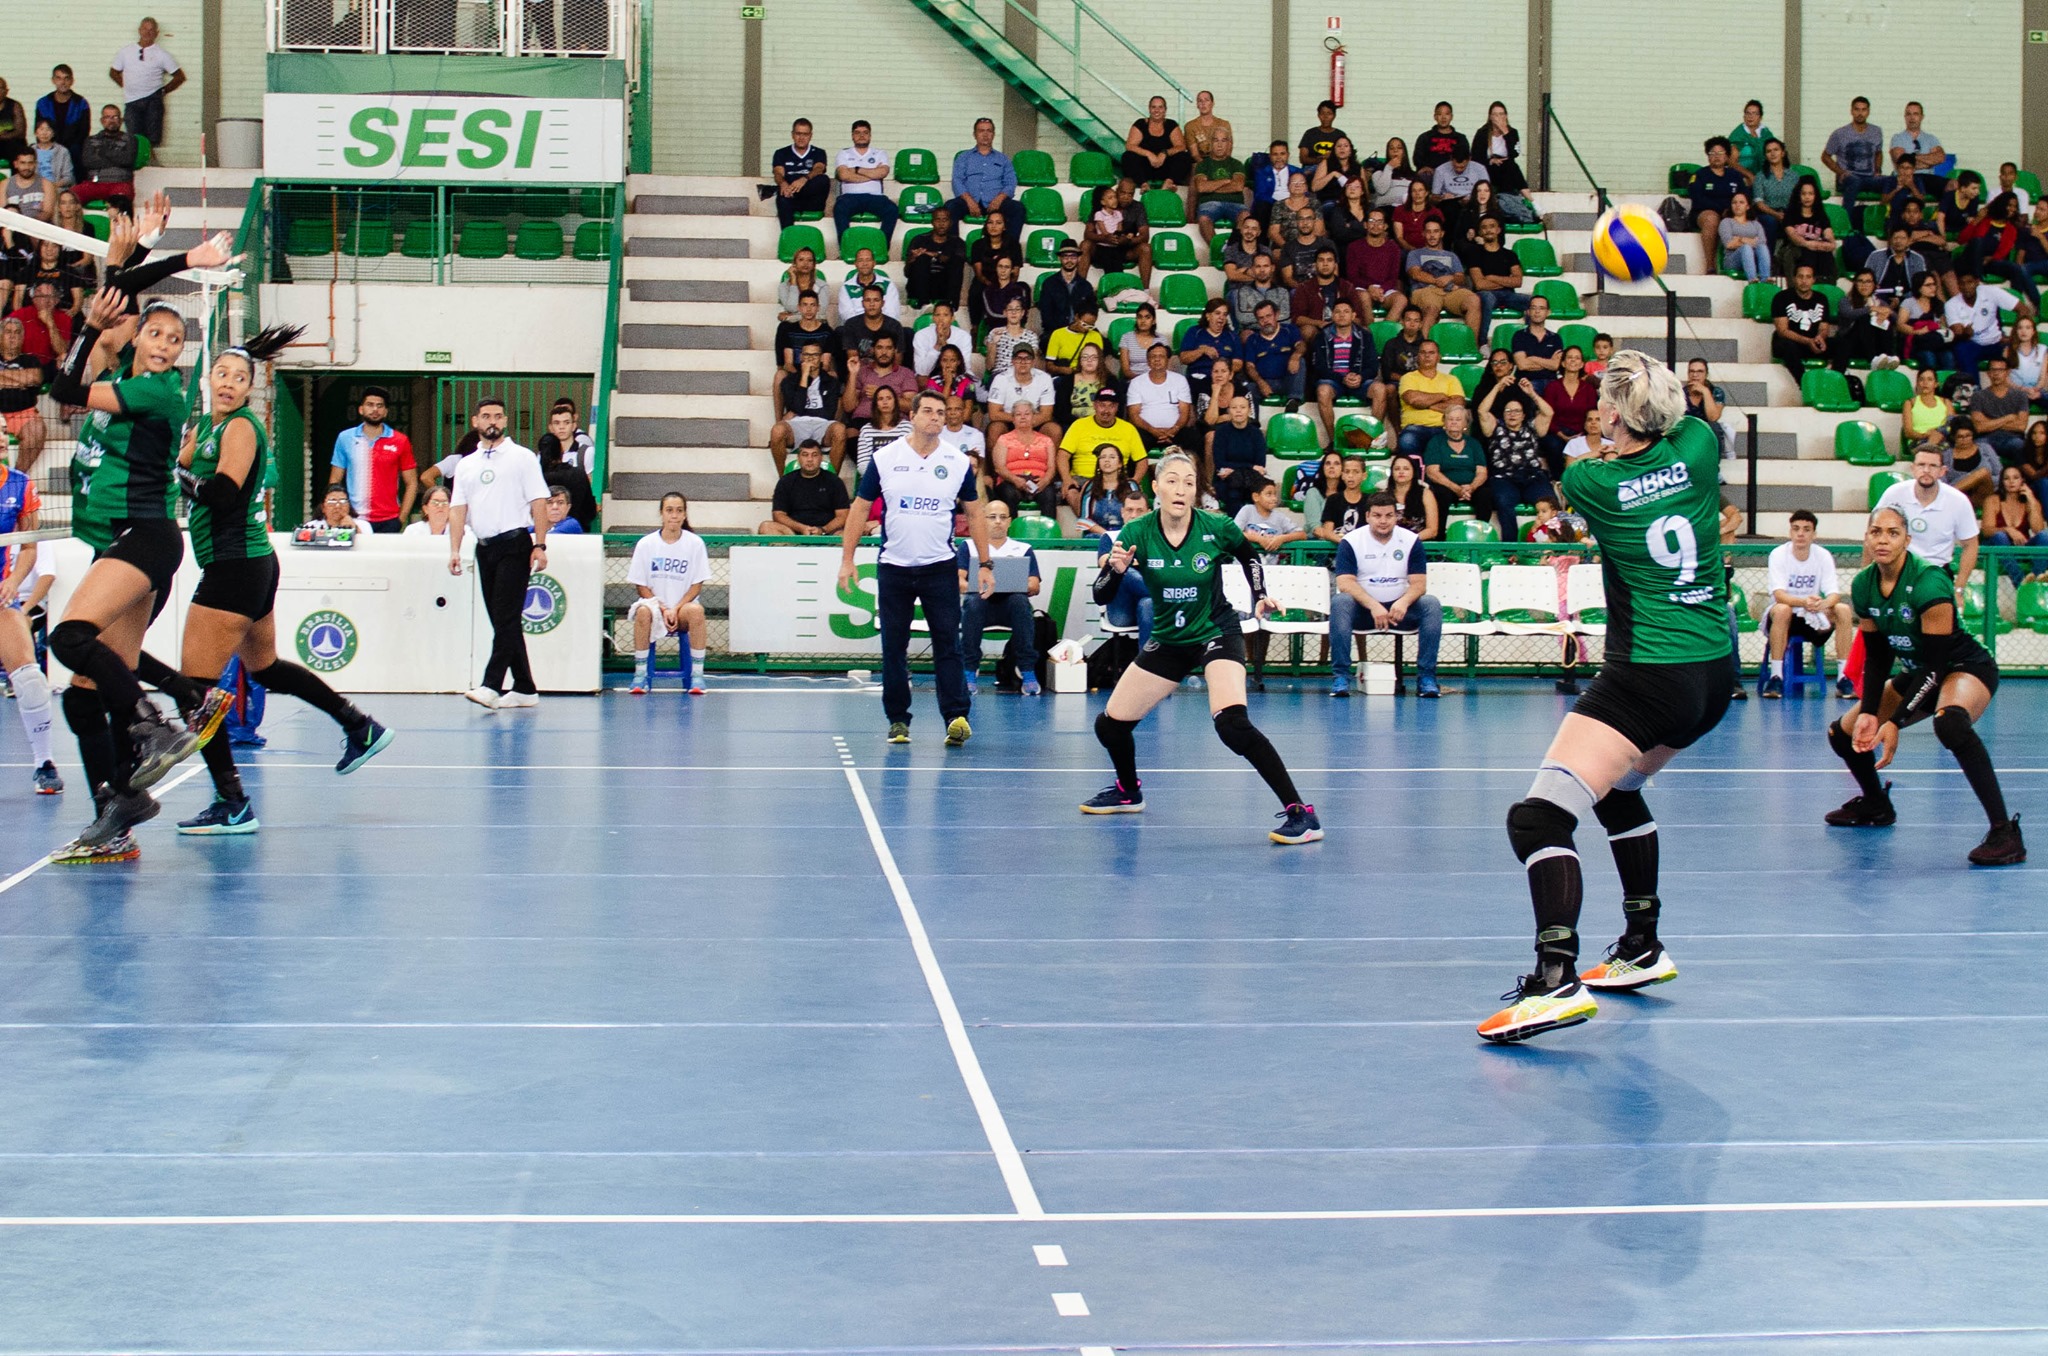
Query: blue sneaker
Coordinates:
[973,688]
[222,817]
[1340,685]
[1774,688]
[48,783]
[359,744]
[1298,825]
[1426,687]
[1031,687]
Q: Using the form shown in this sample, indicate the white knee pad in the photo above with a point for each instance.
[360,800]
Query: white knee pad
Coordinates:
[31,688]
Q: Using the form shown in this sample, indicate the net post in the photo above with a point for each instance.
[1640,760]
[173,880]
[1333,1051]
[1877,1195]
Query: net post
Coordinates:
[1752,475]
[1670,328]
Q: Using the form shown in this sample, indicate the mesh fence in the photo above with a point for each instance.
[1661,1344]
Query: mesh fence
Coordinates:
[326,26]
[566,27]
[553,28]
[447,26]
[440,235]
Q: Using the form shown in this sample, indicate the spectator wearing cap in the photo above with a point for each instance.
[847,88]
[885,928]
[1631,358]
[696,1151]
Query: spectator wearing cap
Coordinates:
[808,502]
[862,170]
[1083,436]
[1066,293]
[1021,381]
[985,182]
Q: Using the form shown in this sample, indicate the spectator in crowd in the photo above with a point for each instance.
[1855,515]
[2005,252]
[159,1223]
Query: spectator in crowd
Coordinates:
[1319,140]
[1440,142]
[886,423]
[1117,238]
[1261,285]
[1416,213]
[564,451]
[1440,281]
[808,502]
[1866,329]
[1064,294]
[1101,505]
[806,328]
[1809,237]
[1945,527]
[1998,413]
[1463,218]
[1799,315]
[1219,184]
[1855,154]
[1391,176]
[859,336]
[1006,338]
[934,339]
[1923,321]
[433,519]
[936,262]
[1012,610]
[1274,352]
[1922,233]
[1020,380]
[669,570]
[1207,344]
[1711,187]
[1203,130]
[1416,505]
[1287,219]
[49,262]
[1316,487]
[146,74]
[860,278]
[1073,395]
[1314,300]
[1335,172]
[2033,458]
[996,243]
[1746,142]
[1155,151]
[1220,385]
[1372,265]
[1917,148]
[1344,364]
[371,459]
[1138,340]
[21,379]
[801,179]
[1344,507]
[561,521]
[864,377]
[1269,175]
[14,125]
[1382,582]
[1572,396]
[1807,601]
[1309,239]
[1928,413]
[1536,349]
[2009,182]
[1744,243]
[1010,293]
[958,432]
[1426,398]
[27,191]
[1083,436]
[1516,471]
[1261,518]
[985,183]
[2012,517]
[109,163]
[1022,460]
[1706,400]
[1454,179]
[863,174]
[1495,273]
[1454,466]
[1968,465]
[1160,402]
[1063,346]
[1236,451]
[53,159]
[336,512]
[1499,149]
[1971,315]
[800,277]
[809,401]
[69,113]
[1246,243]
[1896,273]
[1770,190]
[1499,387]
[2028,358]
[1401,355]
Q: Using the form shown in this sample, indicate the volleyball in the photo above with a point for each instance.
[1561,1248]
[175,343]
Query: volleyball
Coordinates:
[1629,243]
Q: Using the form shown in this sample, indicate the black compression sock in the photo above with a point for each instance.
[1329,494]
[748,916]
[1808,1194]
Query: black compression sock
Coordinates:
[220,765]
[86,714]
[1557,888]
[1246,740]
[1862,766]
[293,681]
[186,692]
[1123,749]
[1640,914]
[1632,838]
[1953,727]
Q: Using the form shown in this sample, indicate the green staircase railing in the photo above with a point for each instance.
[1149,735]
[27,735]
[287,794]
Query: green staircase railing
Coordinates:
[1070,100]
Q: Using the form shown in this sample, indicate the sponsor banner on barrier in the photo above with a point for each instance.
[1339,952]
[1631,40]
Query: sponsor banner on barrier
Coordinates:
[443,139]
[787,599]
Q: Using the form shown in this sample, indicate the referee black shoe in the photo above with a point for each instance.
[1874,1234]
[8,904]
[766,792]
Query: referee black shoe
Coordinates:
[1868,812]
[2003,846]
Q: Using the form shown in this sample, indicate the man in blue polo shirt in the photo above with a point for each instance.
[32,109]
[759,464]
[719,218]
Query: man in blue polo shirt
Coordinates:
[801,175]
[984,181]
[919,481]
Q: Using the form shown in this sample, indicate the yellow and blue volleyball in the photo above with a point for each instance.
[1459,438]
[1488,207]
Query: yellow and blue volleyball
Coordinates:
[1629,243]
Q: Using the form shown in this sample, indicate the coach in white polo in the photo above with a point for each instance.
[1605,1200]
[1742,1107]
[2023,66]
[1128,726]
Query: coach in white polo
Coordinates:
[500,495]
[1938,515]
[918,481]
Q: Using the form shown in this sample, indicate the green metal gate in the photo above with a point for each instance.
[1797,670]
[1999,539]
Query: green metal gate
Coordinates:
[527,402]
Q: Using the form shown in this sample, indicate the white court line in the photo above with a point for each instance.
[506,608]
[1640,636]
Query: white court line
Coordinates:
[1515,770]
[1049,1254]
[1022,1194]
[160,791]
[1335,1024]
[1040,1219]
[1069,1304]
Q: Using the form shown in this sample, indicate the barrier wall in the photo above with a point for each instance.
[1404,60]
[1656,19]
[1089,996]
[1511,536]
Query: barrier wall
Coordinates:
[387,616]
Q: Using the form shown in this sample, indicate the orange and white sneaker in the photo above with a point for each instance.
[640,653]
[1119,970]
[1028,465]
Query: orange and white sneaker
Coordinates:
[1631,965]
[1534,1008]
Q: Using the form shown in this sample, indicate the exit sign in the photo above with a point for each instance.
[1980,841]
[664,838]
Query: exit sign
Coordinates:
[753,11]
[440,355]
[2037,35]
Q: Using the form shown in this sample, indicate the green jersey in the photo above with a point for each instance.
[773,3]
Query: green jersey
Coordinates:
[1897,617]
[239,531]
[122,468]
[1657,517]
[1188,606]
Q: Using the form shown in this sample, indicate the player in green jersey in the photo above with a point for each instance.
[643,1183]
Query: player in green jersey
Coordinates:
[1653,504]
[1180,552]
[223,469]
[1906,609]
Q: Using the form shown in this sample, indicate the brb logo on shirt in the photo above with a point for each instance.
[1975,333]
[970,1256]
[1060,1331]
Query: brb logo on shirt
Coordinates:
[547,602]
[1655,485]
[327,641]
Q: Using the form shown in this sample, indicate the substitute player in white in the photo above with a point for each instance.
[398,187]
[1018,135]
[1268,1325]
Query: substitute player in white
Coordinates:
[669,570]
[1806,601]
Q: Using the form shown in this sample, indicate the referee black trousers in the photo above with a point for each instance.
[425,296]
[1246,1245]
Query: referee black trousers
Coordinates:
[898,591]
[504,564]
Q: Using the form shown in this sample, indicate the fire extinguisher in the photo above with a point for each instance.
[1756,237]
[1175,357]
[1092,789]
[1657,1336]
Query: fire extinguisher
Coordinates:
[1334,40]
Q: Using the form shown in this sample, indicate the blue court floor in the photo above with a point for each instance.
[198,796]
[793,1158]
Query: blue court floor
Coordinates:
[717,1025]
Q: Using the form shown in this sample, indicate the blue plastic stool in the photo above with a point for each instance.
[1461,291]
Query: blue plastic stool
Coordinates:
[1797,675]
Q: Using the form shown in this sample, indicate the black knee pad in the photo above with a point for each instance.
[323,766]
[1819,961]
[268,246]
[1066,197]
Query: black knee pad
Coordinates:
[1621,811]
[1107,727]
[1534,825]
[1956,731]
[68,641]
[1234,727]
[83,709]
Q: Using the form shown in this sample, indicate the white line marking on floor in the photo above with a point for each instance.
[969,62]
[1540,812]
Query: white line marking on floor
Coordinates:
[1098,1351]
[173,784]
[1069,1304]
[1011,1163]
[950,769]
[1049,1254]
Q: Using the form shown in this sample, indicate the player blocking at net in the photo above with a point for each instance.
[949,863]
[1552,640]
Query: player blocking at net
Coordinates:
[1653,502]
[1180,552]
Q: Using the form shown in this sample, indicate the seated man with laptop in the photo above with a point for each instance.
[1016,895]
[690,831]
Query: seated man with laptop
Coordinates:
[1015,567]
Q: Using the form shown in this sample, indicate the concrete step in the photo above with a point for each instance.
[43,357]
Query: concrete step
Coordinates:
[696,185]
[756,320]
[758,364]
[1840,529]
[1691,306]
[678,431]
[685,336]
[663,204]
[709,486]
[668,383]
[216,195]
[730,460]
[763,274]
[687,290]
[629,514]
[762,232]
[675,247]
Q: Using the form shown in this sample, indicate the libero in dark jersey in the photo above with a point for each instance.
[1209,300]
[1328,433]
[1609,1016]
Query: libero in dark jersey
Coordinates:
[223,469]
[1654,506]
[1181,552]
[1906,610]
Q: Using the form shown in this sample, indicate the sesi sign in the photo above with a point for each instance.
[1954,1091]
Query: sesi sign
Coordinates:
[431,138]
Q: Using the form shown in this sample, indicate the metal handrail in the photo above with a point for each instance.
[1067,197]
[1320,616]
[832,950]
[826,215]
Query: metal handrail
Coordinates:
[1080,67]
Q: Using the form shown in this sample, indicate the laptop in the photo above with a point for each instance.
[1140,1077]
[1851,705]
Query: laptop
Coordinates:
[1013,573]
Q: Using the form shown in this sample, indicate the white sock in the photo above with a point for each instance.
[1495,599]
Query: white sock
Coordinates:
[697,667]
[32,698]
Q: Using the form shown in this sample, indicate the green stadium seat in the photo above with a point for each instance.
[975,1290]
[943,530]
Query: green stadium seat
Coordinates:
[854,239]
[96,222]
[1472,530]
[1860,443]
[1679,177]
[1293,437]
[1044,207]
[1164,208]
[308,237]
[482,240]
[2031,183]
[1118,328]
[1757,299]
[1034,169]
[1745,617]
[1042,249]
[1376,477]
[915,165]
[1033,526]
[1513,228]
[1563,299]
[1469,376]
[1888,389]
[1974,595]
[1180,330]
[1884,480]
[1173,252]
[1502,337]
[1839,219]
[593,242]
[794,238]
[538,240]
[1576,336]
[2030,609]
[1183,294]
[143,151]
[1874,219]
[1799,172]
[1113,283]
[1091,169]
[1455,341]
[1826,390]
[1539,260]
[593,202]
[423,241]
[366,239]
[1217,244]
[1383,331]
[1356,434]
[861,211]
[917,201]
[1834,295]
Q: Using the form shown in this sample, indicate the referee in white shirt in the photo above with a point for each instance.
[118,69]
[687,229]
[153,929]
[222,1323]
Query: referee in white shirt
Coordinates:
[500,495]
[919,479]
